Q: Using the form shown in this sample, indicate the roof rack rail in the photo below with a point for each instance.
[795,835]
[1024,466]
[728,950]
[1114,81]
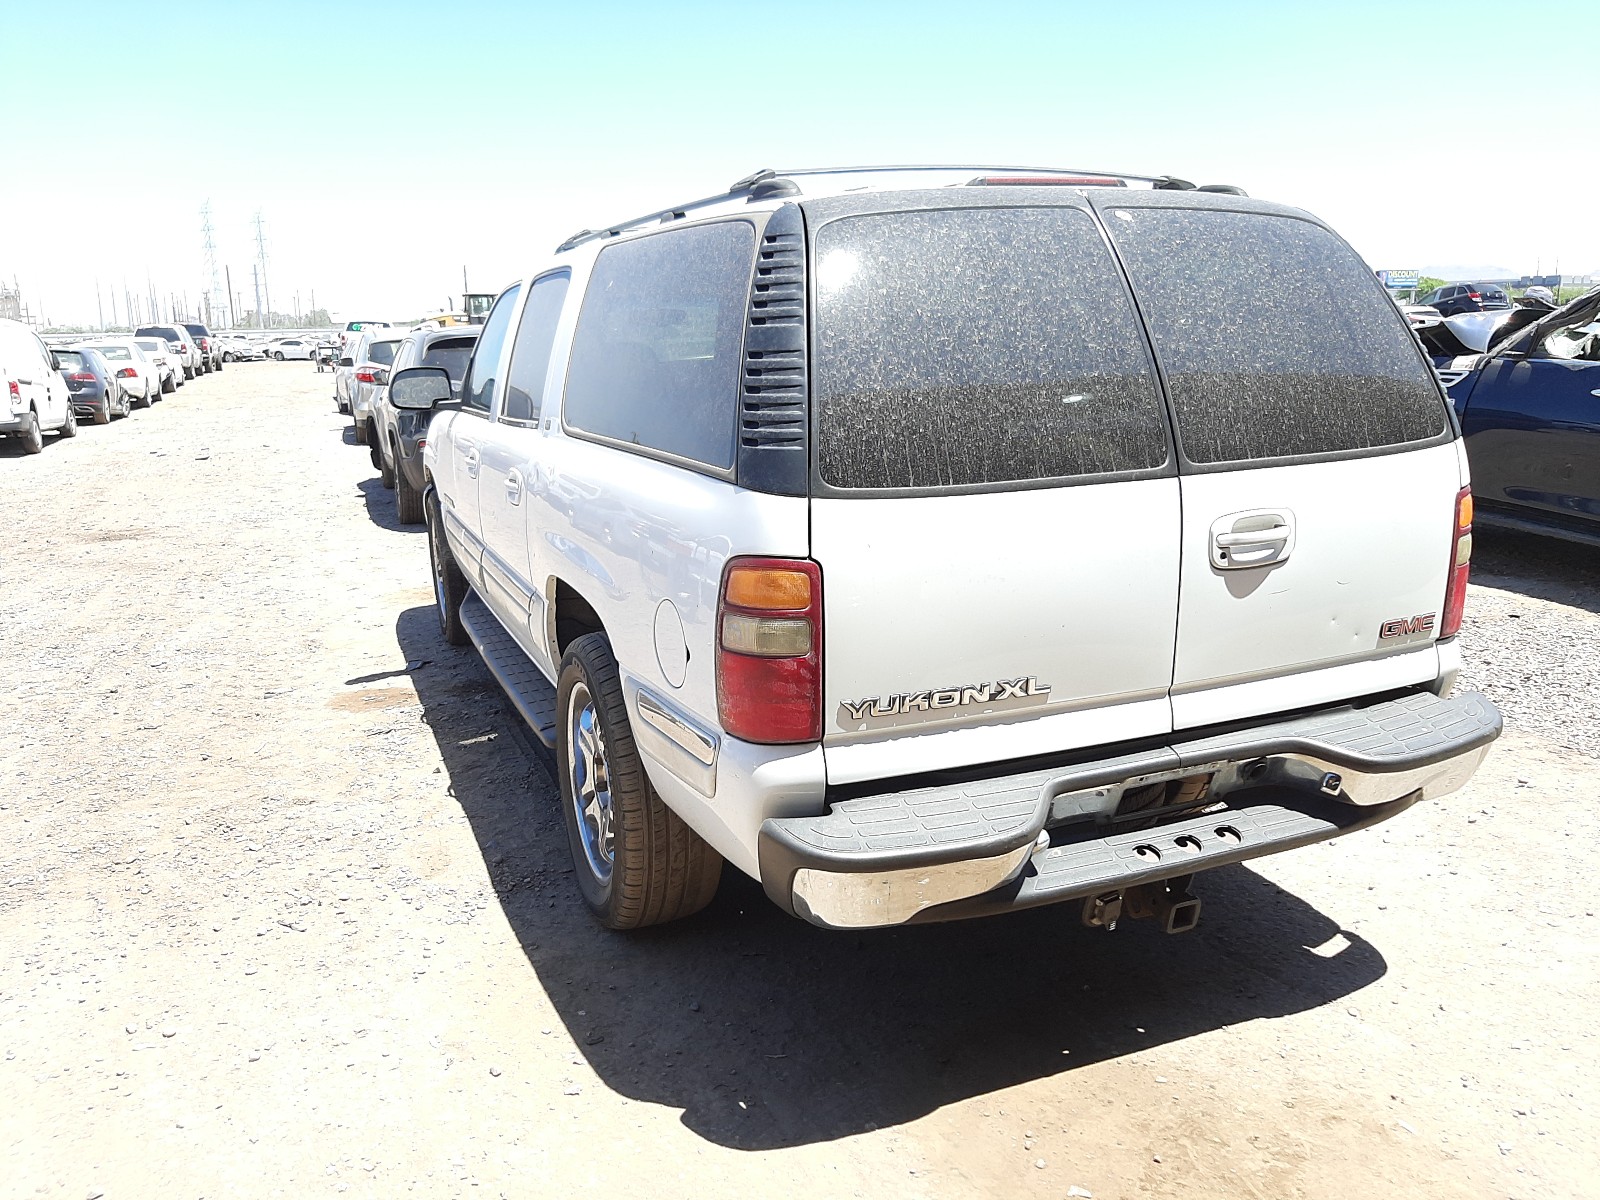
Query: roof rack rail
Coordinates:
[757,186]
[765,183]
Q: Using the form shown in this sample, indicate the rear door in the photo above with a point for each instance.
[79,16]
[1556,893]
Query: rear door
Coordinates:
[508,472]
[1319,469]
[994,505]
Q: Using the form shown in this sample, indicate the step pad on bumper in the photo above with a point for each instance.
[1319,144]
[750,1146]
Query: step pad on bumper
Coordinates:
[920,854]
[530,693]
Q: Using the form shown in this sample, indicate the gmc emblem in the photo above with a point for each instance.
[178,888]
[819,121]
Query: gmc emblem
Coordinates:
[1405,627]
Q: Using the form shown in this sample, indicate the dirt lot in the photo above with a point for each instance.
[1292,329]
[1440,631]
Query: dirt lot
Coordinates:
[285,911]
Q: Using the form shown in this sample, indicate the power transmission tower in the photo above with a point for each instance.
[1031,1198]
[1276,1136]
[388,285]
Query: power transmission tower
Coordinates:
[215,298]
[261,259]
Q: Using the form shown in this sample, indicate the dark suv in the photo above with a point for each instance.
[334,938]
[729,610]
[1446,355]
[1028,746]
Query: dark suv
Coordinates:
[1455,298]
[210,347]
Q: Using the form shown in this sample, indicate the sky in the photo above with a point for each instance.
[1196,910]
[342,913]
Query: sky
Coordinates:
[388,147]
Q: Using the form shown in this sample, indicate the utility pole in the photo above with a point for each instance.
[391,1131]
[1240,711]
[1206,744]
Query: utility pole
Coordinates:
[215,300]
[99,306]
[255,273]
[233,309]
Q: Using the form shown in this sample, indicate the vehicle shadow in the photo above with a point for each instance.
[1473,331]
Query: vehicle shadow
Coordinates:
[380,506]
[1543,568]
[767,1032]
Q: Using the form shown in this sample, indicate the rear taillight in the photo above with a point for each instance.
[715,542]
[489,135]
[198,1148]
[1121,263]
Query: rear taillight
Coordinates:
[1474,296]
[769,650]
[1455,594]
[127,373]
[16,392]
[366,377]
[82,377]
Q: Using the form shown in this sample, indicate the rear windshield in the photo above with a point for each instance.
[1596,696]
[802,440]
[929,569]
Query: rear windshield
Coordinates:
[158,347]
[381,352]
[70,360]
[451,355]
[115,353]
[974,346]
[197,330]
[1275,339]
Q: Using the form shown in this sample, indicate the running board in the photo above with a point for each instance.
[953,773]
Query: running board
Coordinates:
[530,693]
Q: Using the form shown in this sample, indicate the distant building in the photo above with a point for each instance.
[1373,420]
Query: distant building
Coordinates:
[10,302]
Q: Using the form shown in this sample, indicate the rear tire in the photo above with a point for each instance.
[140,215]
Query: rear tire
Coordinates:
[146,400]
[407,500]
[168,386]
[31,437]
[277,355]
[386,473]
[361,433]
[70,429]
[635,860]
[188,372]
[449,584]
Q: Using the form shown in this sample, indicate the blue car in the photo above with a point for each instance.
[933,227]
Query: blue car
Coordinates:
[1530,411]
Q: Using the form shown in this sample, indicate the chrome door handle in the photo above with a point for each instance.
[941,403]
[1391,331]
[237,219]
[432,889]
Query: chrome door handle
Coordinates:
[514,486]
[1596,392]
[472,458]
[1255,537]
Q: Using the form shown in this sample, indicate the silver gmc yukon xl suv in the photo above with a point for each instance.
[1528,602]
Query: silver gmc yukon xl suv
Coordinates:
[934,542]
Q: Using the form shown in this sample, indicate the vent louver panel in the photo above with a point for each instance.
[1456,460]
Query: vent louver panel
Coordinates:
[773,441]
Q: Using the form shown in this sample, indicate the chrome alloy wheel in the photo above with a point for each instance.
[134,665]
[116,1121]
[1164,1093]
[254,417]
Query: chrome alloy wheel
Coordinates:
[590,778]
[436,552]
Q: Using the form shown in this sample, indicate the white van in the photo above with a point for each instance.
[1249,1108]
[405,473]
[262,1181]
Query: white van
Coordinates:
[34,396]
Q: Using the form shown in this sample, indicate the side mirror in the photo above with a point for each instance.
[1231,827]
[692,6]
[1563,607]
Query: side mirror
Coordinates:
[419,388]
[347,362]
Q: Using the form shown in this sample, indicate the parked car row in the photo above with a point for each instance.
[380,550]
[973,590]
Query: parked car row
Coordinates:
[50,388]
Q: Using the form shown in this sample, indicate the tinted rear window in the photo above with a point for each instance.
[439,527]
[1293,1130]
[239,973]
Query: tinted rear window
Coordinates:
[976,346]
[1275,339]
[451,355]
[115,353]
[381,352]
[70,360]
[655,359]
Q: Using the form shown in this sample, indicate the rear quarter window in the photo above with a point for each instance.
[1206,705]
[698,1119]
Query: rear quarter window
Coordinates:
[965,347]
[1275,340]
[655,358]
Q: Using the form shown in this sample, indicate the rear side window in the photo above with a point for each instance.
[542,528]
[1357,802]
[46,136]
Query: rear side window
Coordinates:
[379,352]
[974,346]
[1275,341]
[655,359]
[530,354]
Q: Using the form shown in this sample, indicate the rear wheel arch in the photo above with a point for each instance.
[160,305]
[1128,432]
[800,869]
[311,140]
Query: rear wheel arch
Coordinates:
[570,617]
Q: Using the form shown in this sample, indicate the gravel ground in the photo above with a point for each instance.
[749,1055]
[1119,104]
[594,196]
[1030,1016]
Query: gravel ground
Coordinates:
[284,911]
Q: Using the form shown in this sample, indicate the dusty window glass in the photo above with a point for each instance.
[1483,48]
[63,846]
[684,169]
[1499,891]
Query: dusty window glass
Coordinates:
[655,358]
[974,346]
[1275,341]
[530,353]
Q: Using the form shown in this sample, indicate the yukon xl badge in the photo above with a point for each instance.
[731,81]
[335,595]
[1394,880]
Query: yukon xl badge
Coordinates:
[956,697]
[1406,626]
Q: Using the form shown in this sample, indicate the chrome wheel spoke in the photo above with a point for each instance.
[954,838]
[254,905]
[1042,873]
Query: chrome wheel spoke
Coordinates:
[590,782]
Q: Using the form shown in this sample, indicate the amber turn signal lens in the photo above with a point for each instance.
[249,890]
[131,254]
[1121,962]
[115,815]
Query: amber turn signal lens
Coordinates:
[768,588]
[1464,511]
